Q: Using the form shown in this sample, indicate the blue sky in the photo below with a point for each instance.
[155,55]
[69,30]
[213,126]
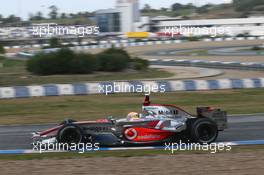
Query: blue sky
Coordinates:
[22,8]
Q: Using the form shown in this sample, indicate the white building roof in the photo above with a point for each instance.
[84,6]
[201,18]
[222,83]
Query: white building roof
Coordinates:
[104,11]
[230,21]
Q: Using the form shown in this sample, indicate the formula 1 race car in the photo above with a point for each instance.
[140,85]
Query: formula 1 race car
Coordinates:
[156,124]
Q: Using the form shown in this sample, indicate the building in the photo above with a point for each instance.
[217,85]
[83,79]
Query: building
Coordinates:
[121,19]
[125,17]
[130,14]
[108,20]
[232,26]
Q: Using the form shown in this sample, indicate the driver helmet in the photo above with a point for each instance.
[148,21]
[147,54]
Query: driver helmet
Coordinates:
[133,116]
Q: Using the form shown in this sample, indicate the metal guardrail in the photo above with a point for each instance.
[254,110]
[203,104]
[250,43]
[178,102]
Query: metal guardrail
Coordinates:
[210,64]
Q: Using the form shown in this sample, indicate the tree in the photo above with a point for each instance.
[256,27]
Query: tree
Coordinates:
[53,12]
[140,64]
[120,51]
[12,19]
[246,5]
[190,6]
[54,43]
[80,14]
[112,62]
[31,16]
[72,15]
[58,62]
[88,14]
[147,8]
[63,15]
[176,6]
[63,61]
[39,16]
[164,9]
[2,50]
[204,8]
[259,8]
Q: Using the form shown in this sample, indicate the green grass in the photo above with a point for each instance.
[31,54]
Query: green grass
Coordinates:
[194,52]
[56,109]
[125,153]
[23,78]
[12,67]
[14,73]
[11,63]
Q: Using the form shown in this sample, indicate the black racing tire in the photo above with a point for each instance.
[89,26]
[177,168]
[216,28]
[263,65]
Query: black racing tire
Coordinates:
[203,131]
[70,134]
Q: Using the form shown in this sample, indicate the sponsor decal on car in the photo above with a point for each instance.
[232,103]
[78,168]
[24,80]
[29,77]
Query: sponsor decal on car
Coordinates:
[130,133]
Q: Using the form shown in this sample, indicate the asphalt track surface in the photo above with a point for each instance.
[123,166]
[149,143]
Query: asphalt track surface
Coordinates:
[213,50]
[241,128]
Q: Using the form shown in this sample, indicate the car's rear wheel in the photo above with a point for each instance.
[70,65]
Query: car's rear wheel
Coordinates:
[70,134]
[203,130]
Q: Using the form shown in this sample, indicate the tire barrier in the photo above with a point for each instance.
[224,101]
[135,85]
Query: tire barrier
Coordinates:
[127,43]
[128,87]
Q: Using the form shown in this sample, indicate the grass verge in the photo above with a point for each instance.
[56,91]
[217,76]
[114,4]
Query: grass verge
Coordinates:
[193,53]
[90,107]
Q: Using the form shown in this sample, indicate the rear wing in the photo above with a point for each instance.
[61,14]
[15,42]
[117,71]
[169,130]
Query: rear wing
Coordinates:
[146,101]
[217,115]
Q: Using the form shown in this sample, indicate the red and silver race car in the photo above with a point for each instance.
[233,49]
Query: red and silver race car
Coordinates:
[157,124]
